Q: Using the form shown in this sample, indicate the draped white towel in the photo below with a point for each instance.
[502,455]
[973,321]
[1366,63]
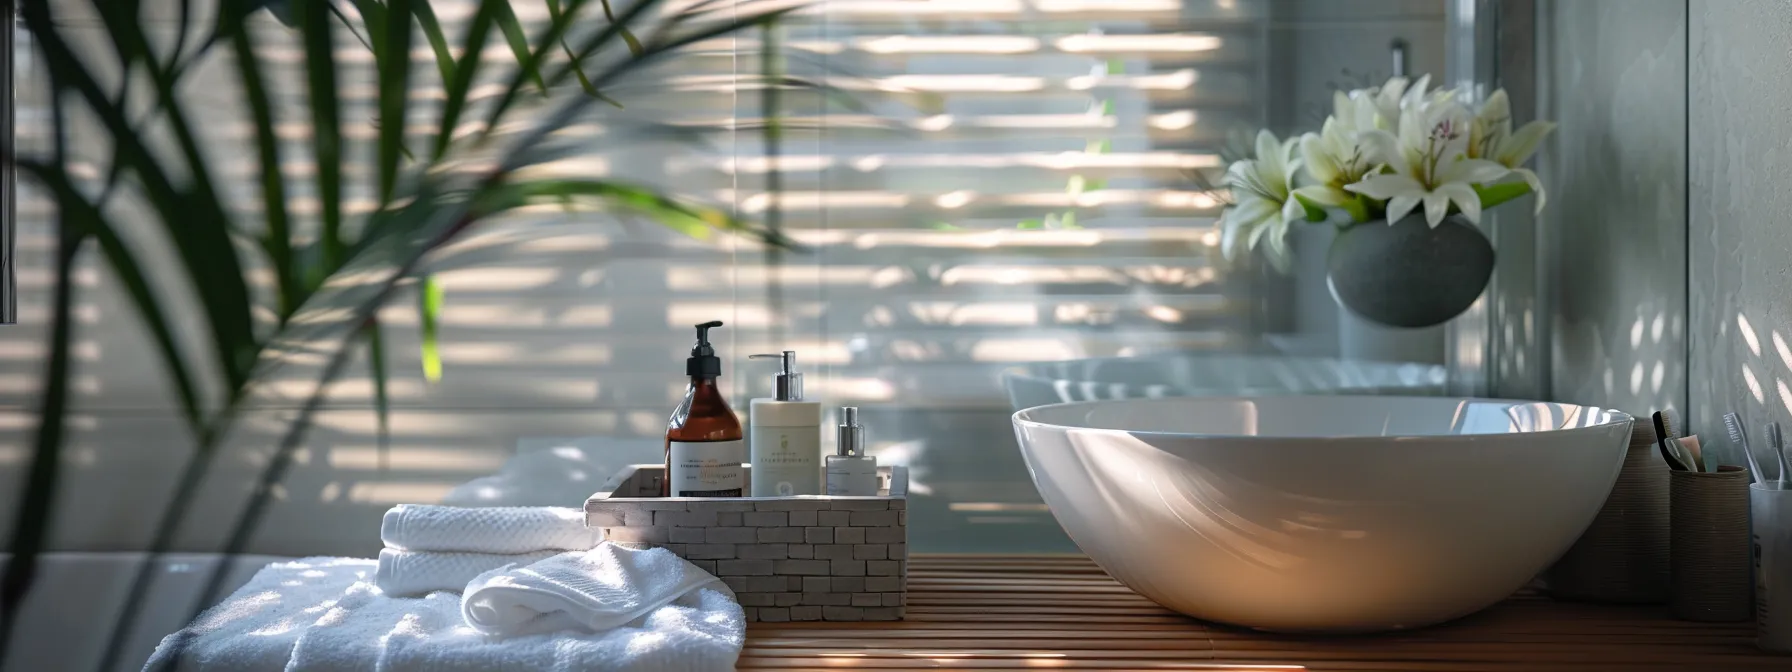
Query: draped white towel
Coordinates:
[499,530]
[417,573]
[597,590]
[325,614]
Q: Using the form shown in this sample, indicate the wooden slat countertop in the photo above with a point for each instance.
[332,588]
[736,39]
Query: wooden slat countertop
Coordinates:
[1031,612]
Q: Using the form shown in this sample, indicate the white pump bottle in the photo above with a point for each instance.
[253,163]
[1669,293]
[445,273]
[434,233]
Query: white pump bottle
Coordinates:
[785,436]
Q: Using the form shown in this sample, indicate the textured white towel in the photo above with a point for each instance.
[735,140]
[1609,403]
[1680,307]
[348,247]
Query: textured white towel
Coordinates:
[416,573]
[502,530]
[597,589]
[255,628]
[277,622]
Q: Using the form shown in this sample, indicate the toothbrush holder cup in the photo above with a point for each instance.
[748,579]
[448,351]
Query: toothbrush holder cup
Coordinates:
[1710,571]
[1770,505]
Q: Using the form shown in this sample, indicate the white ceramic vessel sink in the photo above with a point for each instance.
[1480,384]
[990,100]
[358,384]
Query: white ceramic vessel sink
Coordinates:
[1208,375]
[1323,513]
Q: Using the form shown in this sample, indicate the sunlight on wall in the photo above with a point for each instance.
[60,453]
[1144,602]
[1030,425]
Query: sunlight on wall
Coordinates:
[1748,334]
[497,279]
[1022,350]
[399,492]
[367,458]
[1754,384]
[1170,42]
[1030,275]
[947,44]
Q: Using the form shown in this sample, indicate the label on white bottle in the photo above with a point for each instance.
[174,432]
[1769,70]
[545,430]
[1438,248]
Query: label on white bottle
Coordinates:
[852,476]
[786,461]
[707,468]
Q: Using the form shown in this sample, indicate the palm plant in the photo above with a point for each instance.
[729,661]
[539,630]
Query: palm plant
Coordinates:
[434,181]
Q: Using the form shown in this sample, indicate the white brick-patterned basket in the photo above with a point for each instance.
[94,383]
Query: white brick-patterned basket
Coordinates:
[810,558]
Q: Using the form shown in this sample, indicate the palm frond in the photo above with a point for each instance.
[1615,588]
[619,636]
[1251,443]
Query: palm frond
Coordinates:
[438,41]
[456,89]
[197,226]
[429,311]
[329,287]
[395,89]
[276,242]
[512,28]
[326,125]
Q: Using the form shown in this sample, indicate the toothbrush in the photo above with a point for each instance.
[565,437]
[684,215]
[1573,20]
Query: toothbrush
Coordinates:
[1779,449]
[1690,446]
[1664,441]
[1739,437]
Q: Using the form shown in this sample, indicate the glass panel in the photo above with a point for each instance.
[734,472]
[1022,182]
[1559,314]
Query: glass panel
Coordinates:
[1032,188]
[1014,186]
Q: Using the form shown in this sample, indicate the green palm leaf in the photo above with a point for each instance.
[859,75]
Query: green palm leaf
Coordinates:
[277,241]
[438,41]
[429,309]
[326,126]
[328,289]
[395,89]
[519,41]
[456,89]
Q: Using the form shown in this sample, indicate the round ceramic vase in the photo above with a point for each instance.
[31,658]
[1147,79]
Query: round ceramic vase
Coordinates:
[1409,274]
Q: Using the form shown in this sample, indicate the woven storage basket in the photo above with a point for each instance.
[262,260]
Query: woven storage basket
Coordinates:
[810,558]
[1711,570]
[1623,555]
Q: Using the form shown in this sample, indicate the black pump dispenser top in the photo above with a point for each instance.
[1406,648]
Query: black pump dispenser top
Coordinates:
[703,360]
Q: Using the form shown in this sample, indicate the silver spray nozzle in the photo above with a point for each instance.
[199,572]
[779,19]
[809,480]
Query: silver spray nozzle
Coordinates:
[789,381]
[850,435]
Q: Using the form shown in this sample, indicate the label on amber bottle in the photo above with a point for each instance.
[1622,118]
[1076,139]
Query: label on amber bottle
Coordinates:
[707,468]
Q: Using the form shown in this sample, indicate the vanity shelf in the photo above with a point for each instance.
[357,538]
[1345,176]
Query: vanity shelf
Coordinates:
[1031,612]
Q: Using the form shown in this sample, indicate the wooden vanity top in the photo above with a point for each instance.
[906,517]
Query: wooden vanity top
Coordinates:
[1033,612]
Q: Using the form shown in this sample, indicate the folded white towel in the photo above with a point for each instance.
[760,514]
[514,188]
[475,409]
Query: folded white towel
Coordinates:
[597,590]
[255,628]
[503,530]
[416,573]
[276,623]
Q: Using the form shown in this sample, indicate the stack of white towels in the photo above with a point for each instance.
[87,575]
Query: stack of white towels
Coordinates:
[534,591]
[431,548]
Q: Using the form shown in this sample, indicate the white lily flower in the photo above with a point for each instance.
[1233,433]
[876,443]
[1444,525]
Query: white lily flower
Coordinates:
[1338,155]
[1263,206]
[1430,163]
[1392,99]
[1494,140]
[1355,111]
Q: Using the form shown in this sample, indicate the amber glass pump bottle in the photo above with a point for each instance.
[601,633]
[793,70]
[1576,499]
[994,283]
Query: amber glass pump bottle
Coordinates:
[705,456]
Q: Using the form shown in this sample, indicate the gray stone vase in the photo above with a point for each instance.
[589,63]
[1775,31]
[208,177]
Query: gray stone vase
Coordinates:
[1410,274]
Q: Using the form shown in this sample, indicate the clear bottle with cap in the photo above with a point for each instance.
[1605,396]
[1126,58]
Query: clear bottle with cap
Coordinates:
[704,453]
[784,436]
[851,472]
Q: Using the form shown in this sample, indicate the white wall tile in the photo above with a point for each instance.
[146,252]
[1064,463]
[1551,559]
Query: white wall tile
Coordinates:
[1740,245]
[1615,84]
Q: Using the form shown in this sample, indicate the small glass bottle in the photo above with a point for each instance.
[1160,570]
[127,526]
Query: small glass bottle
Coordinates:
[851,472]
[705,456]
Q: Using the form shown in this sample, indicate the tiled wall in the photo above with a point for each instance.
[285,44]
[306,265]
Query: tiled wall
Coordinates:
[1612,74]
[1740,247]
[1671,107]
